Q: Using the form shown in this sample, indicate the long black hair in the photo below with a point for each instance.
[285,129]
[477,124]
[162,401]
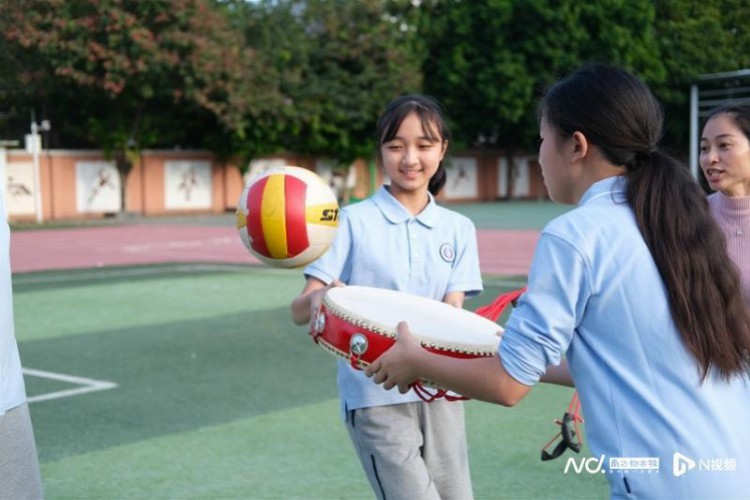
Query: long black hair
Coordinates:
[434,125]
[618,113]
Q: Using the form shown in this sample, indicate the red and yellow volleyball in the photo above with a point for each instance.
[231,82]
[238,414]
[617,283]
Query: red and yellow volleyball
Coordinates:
[287,217]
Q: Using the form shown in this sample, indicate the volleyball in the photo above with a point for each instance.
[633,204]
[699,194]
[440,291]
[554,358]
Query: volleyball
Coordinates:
[287,217]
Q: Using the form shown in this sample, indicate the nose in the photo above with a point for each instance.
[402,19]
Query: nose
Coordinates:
[709,156]
[410,156]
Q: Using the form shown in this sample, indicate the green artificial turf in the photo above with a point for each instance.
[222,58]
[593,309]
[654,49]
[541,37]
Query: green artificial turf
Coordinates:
[219,395]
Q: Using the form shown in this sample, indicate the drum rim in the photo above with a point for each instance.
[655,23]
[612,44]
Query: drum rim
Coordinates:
[380,329]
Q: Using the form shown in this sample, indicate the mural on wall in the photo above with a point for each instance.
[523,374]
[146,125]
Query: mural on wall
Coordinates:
[461,182]
[520,178]
[187,184]
[19,189]
[97,187]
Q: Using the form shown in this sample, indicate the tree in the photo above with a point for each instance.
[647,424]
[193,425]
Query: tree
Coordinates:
[697,38]
[338,63]
[125,75]
[489,61]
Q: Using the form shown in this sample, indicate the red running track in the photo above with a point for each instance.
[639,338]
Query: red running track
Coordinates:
[500,252]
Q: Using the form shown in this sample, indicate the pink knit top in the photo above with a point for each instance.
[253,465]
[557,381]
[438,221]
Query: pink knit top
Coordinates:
[733,215]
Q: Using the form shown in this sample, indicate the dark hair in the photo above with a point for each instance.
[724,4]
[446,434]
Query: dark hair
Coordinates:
[738,112]
[619,114]
[435,127]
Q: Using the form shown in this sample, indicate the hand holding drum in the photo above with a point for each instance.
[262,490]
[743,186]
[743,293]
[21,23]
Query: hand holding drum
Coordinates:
[360,323]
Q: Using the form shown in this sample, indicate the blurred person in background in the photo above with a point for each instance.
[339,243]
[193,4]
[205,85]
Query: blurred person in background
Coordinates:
[725,160]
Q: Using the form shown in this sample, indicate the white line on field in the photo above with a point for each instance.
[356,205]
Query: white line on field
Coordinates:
[87,385]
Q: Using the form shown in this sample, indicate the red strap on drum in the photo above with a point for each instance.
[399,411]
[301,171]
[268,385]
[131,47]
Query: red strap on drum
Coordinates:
[494,309]
[428,396]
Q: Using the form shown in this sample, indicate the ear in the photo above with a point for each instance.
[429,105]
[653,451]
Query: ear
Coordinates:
[580,146]
[444,148]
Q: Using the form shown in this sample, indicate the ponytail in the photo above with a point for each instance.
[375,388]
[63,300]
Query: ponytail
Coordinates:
[438,180]
[620,115]
[689,248]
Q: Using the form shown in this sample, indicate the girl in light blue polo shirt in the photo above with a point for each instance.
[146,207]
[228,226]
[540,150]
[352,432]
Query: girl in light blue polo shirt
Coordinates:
[400,239]
[634,287]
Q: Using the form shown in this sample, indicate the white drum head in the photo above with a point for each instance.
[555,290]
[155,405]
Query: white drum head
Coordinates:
[434,323]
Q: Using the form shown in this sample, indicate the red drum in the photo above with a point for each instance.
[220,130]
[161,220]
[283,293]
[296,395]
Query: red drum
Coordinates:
[358,324]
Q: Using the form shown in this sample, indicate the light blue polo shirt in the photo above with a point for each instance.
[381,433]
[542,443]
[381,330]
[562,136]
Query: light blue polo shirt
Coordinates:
[596,296]
[380,244]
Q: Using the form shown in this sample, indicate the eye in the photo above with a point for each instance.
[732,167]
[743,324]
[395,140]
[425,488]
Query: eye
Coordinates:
[703,148]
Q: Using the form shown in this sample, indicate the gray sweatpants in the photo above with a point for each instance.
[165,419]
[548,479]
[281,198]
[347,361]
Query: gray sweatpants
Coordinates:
[414,451]
[19,465]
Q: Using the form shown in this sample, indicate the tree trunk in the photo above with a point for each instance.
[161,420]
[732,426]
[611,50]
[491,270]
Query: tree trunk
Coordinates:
[124,166]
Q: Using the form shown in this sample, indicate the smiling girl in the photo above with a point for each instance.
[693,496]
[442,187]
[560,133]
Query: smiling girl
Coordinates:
[400,239]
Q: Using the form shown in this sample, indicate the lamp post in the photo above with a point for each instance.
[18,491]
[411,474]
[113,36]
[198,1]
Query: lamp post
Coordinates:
[34,145]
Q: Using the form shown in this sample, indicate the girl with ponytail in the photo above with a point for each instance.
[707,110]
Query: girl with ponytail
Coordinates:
[632,292]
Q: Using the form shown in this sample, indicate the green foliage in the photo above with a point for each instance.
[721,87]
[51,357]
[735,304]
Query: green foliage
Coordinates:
[338,62]
[311,76]
[118,66]
[489,61]
[697,38]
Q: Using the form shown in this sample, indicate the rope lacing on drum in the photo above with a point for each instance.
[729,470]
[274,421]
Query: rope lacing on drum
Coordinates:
[491,311]
[429,396]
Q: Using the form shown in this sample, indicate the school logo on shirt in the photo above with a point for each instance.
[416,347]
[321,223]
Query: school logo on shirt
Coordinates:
[447,253]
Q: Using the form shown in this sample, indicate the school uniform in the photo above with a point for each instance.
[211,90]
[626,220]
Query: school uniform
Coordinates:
[380,244]
[596,296]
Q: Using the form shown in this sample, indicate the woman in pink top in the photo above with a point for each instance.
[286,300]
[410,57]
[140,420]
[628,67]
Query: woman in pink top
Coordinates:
[725,160]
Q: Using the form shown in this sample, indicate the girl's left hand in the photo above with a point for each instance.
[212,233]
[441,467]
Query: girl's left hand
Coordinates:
[316,297]
[398,366]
